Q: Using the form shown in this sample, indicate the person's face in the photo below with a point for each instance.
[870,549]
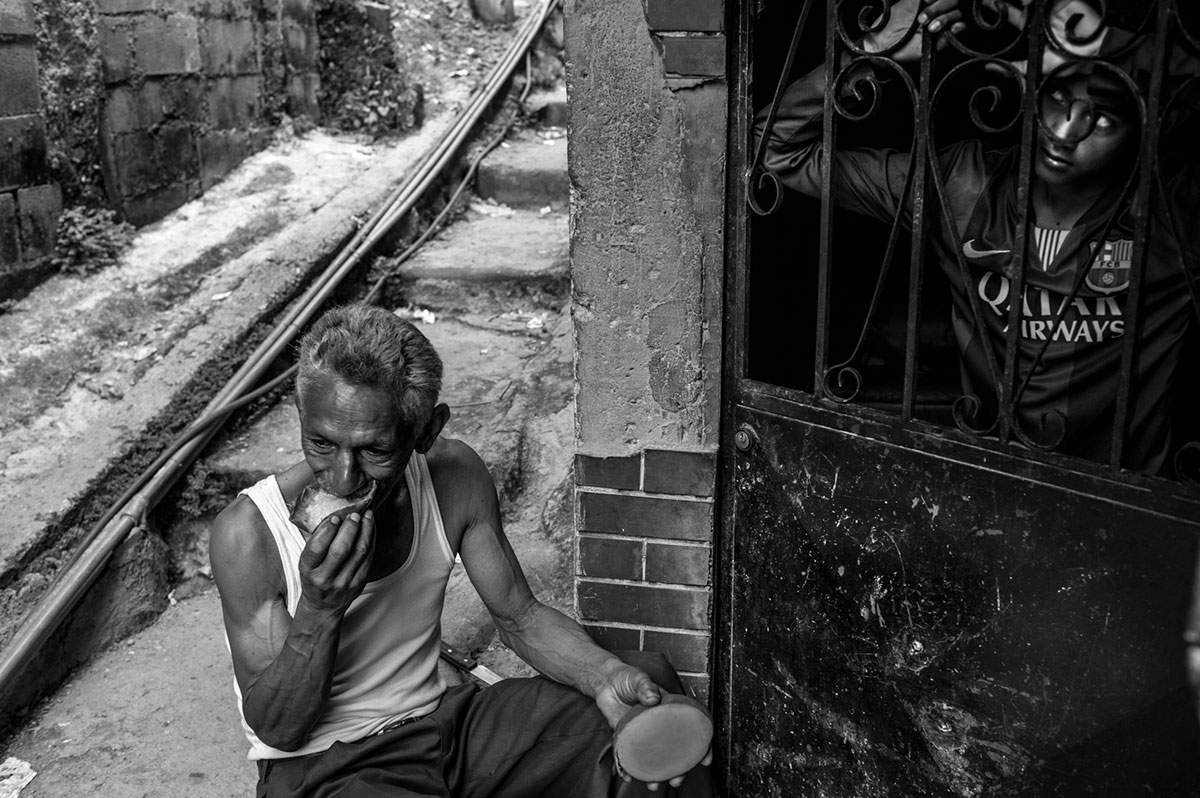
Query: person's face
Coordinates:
[1086,135]
[351,434]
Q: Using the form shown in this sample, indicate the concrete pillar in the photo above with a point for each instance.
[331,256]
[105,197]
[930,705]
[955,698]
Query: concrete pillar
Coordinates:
[647,119]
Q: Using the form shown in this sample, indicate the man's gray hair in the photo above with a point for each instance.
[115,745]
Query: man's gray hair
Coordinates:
[369,346]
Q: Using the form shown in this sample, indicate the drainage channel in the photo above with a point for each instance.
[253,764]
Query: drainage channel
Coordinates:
[141,497]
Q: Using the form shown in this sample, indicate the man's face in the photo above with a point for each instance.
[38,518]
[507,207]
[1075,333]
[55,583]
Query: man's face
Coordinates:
[1087,132]
[351,434]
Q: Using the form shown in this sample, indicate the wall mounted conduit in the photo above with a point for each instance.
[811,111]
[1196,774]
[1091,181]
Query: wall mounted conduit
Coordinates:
[129,511]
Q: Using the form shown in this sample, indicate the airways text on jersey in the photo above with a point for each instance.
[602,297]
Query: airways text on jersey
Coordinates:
[1086,319]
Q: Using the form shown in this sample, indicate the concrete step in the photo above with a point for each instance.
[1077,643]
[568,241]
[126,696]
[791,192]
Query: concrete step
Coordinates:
[493,259]
[529,170]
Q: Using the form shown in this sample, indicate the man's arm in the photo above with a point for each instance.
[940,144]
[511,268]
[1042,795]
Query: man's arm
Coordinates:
[284,665]
[549,641]
[870,182]
[553,644]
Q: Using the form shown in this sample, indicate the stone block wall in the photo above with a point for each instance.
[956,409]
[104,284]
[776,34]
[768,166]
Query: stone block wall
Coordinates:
[29,202]
[194,86]
[647,114]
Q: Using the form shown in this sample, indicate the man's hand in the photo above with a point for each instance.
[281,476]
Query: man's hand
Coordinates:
[934,16]
[625,688]
[335,561]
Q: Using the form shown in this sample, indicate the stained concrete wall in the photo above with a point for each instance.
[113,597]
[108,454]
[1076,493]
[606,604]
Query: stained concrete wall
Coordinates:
[29,201]
[193,87]
[647,115]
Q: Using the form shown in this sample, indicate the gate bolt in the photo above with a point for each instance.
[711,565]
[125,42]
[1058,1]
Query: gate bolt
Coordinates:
[744,439]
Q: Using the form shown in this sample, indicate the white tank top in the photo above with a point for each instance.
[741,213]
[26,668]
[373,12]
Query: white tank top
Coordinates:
[386,667]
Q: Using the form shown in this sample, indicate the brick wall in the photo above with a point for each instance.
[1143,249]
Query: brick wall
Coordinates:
[691,35]
[29,202]
[644,558]
[192,88]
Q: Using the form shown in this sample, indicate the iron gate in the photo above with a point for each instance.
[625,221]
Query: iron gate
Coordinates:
[928,588]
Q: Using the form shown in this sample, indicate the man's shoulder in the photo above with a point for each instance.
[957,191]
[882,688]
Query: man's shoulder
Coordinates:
[978,179]
[240,540]
[462,483]
[457,470]
[453,456]
[237,529]
[972,159]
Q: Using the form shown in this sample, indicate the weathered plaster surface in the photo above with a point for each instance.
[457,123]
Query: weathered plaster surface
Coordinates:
[647,176]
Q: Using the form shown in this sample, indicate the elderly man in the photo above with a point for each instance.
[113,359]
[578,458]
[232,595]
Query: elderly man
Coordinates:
[335,635]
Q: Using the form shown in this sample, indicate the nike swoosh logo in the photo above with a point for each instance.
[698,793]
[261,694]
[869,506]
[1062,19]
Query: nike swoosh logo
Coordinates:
[970,251]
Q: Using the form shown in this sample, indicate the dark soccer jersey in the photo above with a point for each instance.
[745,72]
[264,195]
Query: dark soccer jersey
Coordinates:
[1073,311]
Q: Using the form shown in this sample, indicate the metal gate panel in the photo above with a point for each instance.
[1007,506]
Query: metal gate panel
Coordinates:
[904,623]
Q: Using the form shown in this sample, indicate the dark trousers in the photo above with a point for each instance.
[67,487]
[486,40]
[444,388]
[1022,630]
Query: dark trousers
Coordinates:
[519,738]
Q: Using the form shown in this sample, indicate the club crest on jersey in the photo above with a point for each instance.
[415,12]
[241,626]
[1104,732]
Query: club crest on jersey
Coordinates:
[1109,271]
